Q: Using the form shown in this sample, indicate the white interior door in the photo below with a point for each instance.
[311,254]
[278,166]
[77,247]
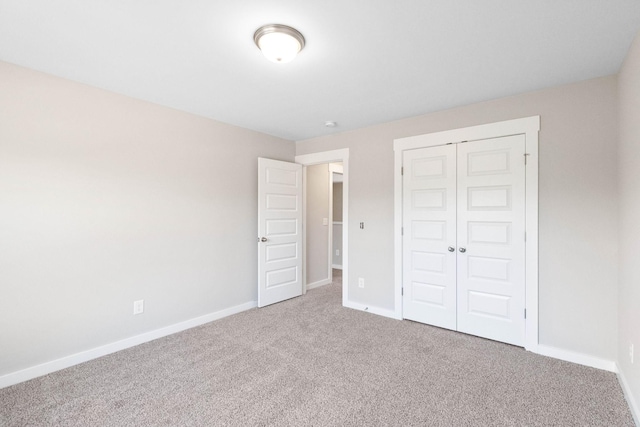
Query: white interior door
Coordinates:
[279,231]
[491,226]
[429,235]
[463,237]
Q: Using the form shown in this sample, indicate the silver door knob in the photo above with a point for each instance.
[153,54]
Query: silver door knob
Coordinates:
[451,249]
[263,239]
[463,250]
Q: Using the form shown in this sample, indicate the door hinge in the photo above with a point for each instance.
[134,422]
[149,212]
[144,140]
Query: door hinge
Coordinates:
[525,157]
[525,236]
[402,291]
[402,231]
[525,313]
[402,170]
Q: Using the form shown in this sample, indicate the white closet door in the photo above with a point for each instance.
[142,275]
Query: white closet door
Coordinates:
[491,245]
[429,209]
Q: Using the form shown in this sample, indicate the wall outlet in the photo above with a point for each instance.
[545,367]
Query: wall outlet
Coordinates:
[337,252]
[138,306]
[360,282]
[631,352]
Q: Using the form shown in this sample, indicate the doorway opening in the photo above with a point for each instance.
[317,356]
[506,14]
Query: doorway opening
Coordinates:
[321,211]
[323,219]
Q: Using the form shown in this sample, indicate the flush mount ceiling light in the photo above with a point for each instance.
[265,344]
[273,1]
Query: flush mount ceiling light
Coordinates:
[279,43]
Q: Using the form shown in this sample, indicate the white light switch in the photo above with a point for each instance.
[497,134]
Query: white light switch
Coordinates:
[325,221]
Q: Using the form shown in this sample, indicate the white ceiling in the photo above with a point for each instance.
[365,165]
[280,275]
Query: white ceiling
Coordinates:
[366,61]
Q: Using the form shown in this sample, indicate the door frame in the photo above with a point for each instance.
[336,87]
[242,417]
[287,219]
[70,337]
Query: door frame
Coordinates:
[529,127]
[333,156]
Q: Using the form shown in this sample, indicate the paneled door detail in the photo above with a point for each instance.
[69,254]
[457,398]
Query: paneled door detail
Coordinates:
[491,226]
[279,231]
[429,230]
[463,237]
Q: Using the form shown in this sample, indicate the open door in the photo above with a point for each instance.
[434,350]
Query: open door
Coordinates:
[279,231]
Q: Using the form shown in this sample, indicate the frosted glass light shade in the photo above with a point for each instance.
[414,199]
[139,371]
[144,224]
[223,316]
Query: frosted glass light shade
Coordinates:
[279,43]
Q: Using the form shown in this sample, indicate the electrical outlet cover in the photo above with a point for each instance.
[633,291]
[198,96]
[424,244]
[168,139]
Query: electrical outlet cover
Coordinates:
[138,307]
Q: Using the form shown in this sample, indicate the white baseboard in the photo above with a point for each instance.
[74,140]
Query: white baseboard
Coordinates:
[579,358]
[84,356]
[369,309]
[633,405]
[318,284]
[336,266]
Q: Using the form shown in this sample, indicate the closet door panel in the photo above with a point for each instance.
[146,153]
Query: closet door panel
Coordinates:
[429,212]
[490,234]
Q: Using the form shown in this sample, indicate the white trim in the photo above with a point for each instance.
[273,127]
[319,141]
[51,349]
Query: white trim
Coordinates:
[341,155]
[336,266]
[330,226]
[337,222]
[336,168]
[531,230]
[529,126]
[333,156]
[94,353]
[373,310]
[574,357]
[525,125]
[319,283]
[304,230]
[628,395]
[397,227]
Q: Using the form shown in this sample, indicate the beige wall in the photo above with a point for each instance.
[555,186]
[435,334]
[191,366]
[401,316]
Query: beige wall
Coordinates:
[578,206]
[337,201]
[317,233]
[104,200]
[629,161]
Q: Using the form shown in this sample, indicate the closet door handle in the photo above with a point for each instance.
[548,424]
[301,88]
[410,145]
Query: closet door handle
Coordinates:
[463,250]
[452,249]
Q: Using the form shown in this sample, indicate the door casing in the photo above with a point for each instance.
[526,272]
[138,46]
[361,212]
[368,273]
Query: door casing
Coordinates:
[529,127]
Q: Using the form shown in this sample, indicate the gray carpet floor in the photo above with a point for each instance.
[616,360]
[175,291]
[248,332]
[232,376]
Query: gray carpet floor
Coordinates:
[309,361]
